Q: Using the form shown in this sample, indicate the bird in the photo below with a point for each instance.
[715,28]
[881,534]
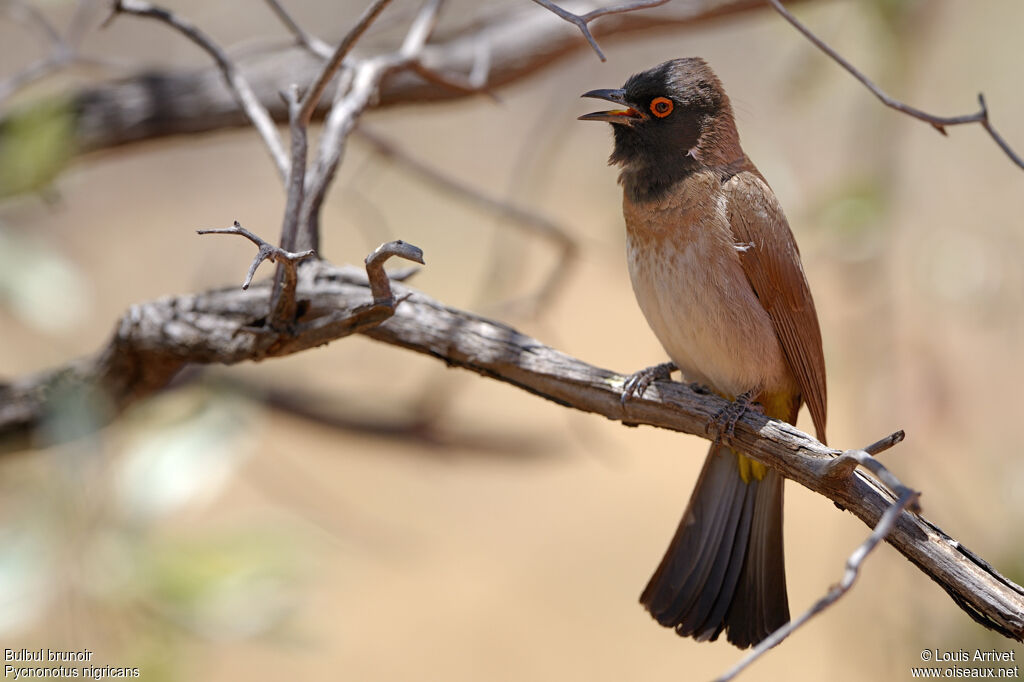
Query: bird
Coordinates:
[717,274]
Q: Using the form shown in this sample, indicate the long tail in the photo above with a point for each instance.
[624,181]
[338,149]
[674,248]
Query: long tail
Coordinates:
[724,569]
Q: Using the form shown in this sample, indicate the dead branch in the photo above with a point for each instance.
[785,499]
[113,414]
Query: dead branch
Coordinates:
[582,21]
[238,84]
[154,340]
[63,49]
[31,18]
[304,38]
[938,122]
[367,76]
[312,98]
[266,252]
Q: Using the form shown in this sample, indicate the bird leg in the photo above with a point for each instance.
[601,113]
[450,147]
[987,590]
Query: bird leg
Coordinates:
[636,384]
[724,421]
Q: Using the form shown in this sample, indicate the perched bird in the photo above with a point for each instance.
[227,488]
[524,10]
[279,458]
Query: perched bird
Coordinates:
[717,274]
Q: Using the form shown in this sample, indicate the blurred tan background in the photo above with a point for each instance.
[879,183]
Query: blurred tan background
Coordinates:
[209,537]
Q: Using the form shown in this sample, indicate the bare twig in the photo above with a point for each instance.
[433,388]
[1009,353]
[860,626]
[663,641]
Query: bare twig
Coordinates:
[297,176]
[306,39]
[419,32]
[30,17]
[312,97]
[907,500]
[472,84]
[266,251]
[529,220]
[937,122]
[237,83]
[60,55]
[380,285]
[63,48]
[880,446]
[582,21]
[283,305]
[344,114]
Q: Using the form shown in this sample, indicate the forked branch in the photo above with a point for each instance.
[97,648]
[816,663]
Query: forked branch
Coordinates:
[938,122]
[582,21]
[267,251]
[237,83]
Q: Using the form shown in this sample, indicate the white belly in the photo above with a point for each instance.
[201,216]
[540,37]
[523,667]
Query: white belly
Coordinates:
[697,300]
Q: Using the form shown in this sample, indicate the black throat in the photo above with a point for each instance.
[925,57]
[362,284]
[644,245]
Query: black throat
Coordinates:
[655,162]
[644,182]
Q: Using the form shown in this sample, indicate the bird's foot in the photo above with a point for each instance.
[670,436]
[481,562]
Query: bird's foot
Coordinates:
[636,384]
[724,421]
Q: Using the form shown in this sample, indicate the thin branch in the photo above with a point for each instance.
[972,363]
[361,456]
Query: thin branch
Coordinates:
[842,466]
[60,55]
[283,305]
[420,30]
[472,84]
[312,97]
[937,122]
[237,83]
[297,176]
[582,21]
[344,114]
[30,17]
[266,251]
[306,39]
[528,219]
[63,48]
[880,446]
[907,500]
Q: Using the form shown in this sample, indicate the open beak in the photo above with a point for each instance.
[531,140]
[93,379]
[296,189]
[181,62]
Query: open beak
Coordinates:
[626,116]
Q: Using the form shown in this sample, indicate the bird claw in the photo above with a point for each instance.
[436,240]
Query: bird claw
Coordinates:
[637,383]
[724,421]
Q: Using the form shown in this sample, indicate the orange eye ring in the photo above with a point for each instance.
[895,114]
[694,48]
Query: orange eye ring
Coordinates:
[661,106]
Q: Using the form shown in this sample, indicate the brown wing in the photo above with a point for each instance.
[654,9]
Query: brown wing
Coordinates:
[772,265]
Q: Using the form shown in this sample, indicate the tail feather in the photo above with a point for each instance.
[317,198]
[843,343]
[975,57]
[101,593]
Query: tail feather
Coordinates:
[760,605]
[706,526]
[724,569]
[715,621]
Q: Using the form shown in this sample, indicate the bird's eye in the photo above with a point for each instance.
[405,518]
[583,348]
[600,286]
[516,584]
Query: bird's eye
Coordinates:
[661,106]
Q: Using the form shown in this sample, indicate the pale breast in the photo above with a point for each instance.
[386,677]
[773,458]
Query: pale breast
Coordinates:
[690,285]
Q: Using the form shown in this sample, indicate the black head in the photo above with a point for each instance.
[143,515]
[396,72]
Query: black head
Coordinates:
[676,118]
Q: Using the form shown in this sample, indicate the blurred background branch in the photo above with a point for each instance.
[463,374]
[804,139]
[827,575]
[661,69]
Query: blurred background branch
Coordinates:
[515,43]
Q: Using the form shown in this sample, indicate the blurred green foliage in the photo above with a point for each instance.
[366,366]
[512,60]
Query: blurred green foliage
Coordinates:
[36,143]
